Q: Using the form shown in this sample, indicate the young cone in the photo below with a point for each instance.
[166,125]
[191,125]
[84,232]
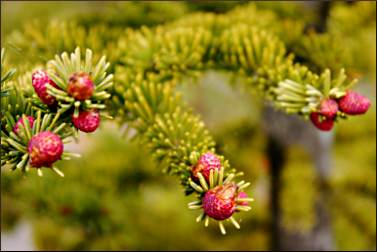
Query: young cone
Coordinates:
[328,108]
[16,128]
[87,121]
[39,80]
[45,149]
[219,202]
[80,86]
[354,103]
[321,122]
[206,163]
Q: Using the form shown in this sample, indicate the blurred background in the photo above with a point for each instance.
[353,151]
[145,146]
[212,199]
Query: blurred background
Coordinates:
[312,190]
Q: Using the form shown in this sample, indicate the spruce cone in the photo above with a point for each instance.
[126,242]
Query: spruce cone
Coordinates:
[354,103]
[206,163]
[328,108]
[87,121]
[80,86]
[321,122]
[39,80]
[16,128]
[44,149]
[219,202]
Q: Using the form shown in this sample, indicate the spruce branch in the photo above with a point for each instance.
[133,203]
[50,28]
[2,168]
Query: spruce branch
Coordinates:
[16,138]
[6,75]
[258,56]
[150,63]
[33,132]
[63,68]
[161,57]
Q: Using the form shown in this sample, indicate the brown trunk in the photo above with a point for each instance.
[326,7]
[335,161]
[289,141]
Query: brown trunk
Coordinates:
[284,130]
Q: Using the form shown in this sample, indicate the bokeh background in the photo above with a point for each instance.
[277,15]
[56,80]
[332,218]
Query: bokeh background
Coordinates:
[116,198]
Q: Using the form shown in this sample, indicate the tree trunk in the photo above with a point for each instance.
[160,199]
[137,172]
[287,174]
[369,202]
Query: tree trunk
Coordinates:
[275,153]
[284,130]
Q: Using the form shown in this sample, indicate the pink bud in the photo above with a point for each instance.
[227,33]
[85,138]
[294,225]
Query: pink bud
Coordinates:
[354,103]
[87,121]
[206,163]
[39,80]
[16,128]
[80,86]
[328,108]
[44,149]
[219,202]
[321,122]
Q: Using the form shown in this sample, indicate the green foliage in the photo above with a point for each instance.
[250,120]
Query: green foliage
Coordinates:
[268,52]
[167,53]
[348,42]
[6,75]
[42,42]
[348,19]
[292,10]
[134,14]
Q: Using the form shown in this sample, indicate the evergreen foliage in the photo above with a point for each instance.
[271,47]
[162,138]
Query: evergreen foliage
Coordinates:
[270,52]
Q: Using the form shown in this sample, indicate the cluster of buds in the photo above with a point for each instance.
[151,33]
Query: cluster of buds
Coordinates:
[75,87]
[80,87]
[70,94]
[45,148]
[352,103]
[219,197]
[35,142]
